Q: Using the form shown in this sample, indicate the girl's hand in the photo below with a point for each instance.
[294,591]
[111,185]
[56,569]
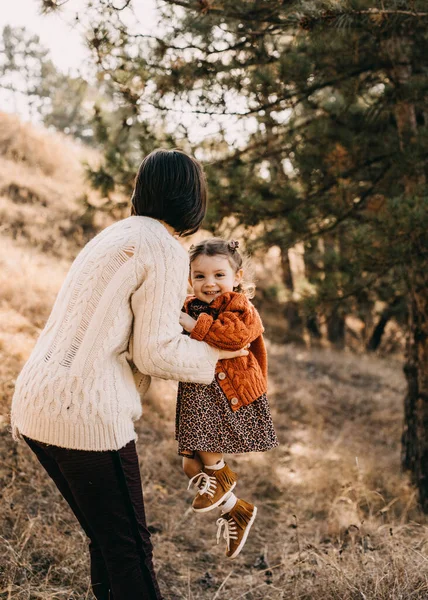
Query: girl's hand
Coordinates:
[187,322]
[224,354]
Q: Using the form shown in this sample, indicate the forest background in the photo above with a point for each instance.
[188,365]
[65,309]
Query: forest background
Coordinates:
[311,121]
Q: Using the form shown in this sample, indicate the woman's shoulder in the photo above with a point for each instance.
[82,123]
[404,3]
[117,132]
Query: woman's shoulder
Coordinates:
[155,235]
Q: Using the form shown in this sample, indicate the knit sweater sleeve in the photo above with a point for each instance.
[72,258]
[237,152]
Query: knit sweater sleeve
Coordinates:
[157,345]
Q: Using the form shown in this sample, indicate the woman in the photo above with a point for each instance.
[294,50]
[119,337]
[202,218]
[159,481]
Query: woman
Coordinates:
[114,323]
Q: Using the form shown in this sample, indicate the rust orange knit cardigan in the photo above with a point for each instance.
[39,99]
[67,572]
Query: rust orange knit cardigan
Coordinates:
[233,323]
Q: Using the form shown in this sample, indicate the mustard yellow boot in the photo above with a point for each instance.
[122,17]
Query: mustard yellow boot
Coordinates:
[214,486]
[236,525]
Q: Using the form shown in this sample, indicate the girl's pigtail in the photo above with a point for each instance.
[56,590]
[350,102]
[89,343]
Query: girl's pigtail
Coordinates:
[233,245]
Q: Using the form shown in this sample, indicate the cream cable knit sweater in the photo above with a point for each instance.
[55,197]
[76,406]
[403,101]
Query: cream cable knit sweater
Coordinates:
[113,324]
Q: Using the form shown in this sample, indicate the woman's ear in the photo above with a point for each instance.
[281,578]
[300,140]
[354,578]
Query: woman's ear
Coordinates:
[238,277]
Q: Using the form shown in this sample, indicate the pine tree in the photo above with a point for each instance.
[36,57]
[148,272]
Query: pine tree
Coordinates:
[334,98]
[347,90]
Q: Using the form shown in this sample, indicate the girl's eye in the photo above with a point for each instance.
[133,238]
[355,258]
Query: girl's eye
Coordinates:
[199,277]
[220,274]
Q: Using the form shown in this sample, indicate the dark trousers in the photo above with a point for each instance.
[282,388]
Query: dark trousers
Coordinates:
[104,492]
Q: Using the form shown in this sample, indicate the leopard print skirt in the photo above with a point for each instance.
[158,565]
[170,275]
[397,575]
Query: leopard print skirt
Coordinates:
[205,421]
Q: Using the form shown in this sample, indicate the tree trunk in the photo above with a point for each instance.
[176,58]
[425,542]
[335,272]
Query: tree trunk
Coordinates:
[291,310]
[336,328]
[376,336]
[415,433]
[287,276]
[312,325]
[409,448]
[335,320]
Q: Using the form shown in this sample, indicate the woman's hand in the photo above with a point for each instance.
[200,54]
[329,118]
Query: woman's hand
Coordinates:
[224,354]
[187,322]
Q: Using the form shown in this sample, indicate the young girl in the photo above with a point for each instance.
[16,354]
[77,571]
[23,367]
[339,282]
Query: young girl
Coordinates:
[231,414]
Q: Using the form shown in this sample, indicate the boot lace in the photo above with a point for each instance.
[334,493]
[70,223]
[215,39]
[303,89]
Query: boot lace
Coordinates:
[230,531]
[206,484]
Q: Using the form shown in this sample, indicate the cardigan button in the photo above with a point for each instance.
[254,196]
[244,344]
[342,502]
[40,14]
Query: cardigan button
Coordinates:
[234,401]
[222,376]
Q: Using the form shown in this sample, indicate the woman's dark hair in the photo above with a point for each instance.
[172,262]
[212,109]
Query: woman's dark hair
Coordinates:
[171,186]
[237,260]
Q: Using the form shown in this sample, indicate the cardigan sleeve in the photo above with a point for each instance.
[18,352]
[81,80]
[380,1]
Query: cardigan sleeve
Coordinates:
[238,325]
[158,347]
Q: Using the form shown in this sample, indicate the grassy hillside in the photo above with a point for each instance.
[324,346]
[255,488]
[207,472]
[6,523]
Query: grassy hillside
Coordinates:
[337,519]
[43,191]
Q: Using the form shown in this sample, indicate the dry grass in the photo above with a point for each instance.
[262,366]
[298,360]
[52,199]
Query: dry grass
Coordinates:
[22,143]
[42,187]
[336,519]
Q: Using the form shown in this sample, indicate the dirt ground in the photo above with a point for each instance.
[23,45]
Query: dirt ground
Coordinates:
[336,517]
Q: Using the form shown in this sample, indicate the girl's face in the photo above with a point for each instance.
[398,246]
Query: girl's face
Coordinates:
[211,276]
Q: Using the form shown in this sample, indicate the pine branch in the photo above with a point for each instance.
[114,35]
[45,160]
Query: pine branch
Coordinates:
[377,15]
[382,11]
[350,173]
[49,6]
[263,144]
[354,208]
[291,95]
[204,51]
[253,15]
[194,111]
[336,301]
[305,20]
[119,9]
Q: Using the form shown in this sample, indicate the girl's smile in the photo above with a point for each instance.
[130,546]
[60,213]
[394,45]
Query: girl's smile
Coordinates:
[211,276]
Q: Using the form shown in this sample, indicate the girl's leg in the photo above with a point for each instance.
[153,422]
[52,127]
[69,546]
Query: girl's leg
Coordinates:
[237,516]
[209,459]
[192,466]
[106,487]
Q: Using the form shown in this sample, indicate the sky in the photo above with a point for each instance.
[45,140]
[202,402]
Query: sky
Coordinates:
[57,31]
[59,34]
